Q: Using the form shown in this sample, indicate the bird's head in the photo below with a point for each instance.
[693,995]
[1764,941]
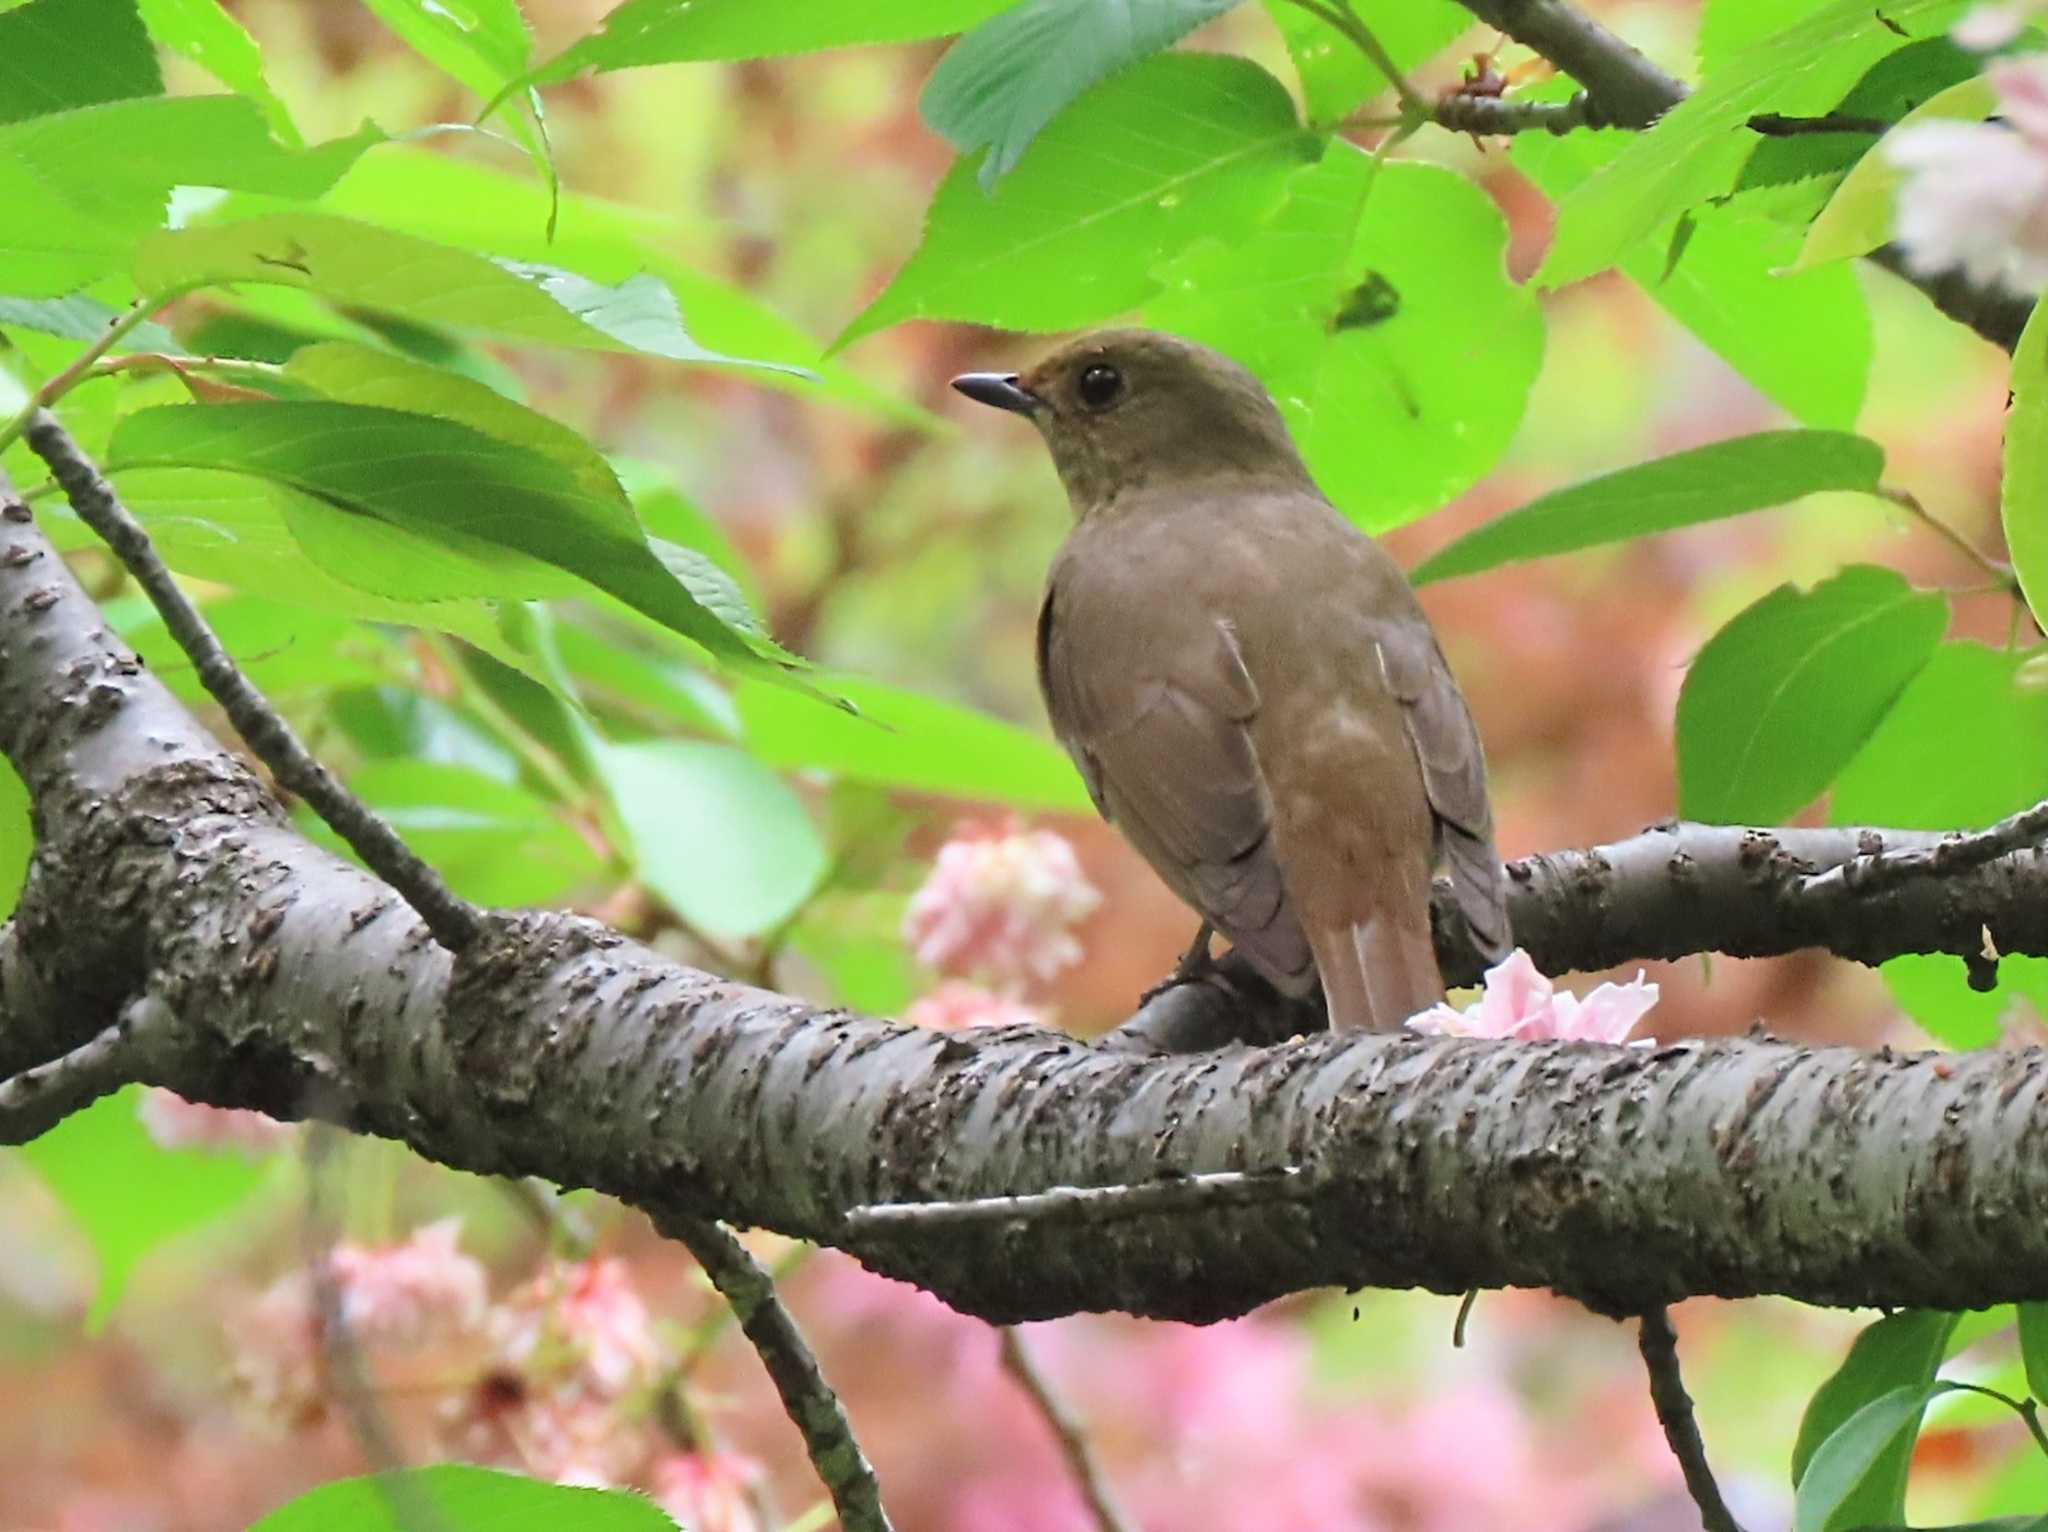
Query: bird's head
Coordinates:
[1124,408]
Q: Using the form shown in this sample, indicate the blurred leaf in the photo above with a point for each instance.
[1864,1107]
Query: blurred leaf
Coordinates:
[97,178]
[475,496]
[127,1195]
[1727,478]
[855,940]
[360,265]
[713,589]
[675,31]
[1933,988]
[1781,698]
[715,834]
[495,843]
[217,43]
[1073,233]
[904,740]
[1375,307]
[84,319]
[2033,1319]
[2023,494]
[43,68]
[17,837]
[665,513]
[1897,1355]
[656,693]
[282,649]
[1858,218]
[1004,81]
[1695,151]
[1804,341]
[1336,78]
[1854,1467]
[463,1499]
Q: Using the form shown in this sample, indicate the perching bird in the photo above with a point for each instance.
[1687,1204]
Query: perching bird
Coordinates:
[1246,681]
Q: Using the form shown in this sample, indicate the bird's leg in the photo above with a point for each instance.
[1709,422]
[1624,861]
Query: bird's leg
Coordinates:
[1195,963]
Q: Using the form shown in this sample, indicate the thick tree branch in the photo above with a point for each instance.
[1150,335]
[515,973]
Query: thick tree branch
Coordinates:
[296,983]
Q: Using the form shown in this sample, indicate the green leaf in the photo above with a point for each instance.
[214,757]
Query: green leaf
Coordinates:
[217,43]
[495,843]
[1803,341]
[1897,1354]
[1965,745]
[283,650]
[1004,81]
[2034,1347]
[97,177]
[1728,28]
[1856,1464]
[1072,235]
[126,1194]
[1336,78]
[478,498]
[1376,308]
[1708,483]
[1783,696]
[653,691]
[2023,494]
[358,265]
[482,43]
[1697,149]
[676,31]
[911,742]
[17,838]
[715,834]
[463,1499]
[44,68]
[1858,217]
[82,318]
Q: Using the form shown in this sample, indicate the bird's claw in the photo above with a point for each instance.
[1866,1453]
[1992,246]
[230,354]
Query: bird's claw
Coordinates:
[1195,964]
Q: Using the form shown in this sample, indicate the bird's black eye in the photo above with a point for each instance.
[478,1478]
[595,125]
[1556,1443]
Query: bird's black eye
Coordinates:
[1100,386]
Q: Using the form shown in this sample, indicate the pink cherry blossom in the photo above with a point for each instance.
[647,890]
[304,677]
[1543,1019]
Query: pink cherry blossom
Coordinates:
[1975,197]
[1001,906]
[1986,27]
[707,1491]
[1519,1002]
[956,1004]
[580,1317]
[172,1122]
[562,1431]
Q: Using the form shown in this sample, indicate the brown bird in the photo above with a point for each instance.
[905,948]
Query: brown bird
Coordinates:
[1246,681]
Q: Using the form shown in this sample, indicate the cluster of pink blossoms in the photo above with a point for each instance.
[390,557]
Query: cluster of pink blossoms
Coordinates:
[557,1380]
[996,914]
[1975,197]
[1519,1002]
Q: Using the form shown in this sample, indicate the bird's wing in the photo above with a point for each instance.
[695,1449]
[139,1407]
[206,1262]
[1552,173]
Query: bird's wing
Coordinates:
[1454,776]
[1161,733]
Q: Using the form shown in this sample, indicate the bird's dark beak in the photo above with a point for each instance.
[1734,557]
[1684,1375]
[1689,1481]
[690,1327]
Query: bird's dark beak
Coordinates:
[1000,389]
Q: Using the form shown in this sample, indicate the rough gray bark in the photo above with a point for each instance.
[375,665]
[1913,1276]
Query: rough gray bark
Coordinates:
[257,970]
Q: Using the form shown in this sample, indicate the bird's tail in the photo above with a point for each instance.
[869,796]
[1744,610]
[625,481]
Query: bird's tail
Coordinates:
[1379,971]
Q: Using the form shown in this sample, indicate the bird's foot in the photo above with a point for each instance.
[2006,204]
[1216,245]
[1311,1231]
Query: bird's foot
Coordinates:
[1195,964]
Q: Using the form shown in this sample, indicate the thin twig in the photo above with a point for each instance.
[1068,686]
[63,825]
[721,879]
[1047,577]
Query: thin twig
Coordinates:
[1909,502]
[806,1397]
[1659,1345]
[454,922]
[1090,1204]
[1496,117]
[118,328]
[1066,1430]
[37,1099]
[1879,870]
[1339,16]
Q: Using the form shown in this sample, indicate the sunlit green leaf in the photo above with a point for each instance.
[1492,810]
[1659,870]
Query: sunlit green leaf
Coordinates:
[1375,308]
[1898,1353]
[1004,81]
[1336,77]
[463,1499]
[1781,698]
[1727,478]
[43,68]
[715,834]
[1073,233]
[206,34]
[482,43]
[126,1194]
[1729,27]
[1697,149]
[283,650]
[359,265]
[904,740]
[674,31]
[2023,493]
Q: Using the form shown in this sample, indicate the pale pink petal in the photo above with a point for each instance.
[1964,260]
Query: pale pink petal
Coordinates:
[1610,1012]
[1986,27]
[707,1491]
[957,1004]
[1517,996]
[1975,199]
[172,1122]
[2021,86]
[1000,906]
